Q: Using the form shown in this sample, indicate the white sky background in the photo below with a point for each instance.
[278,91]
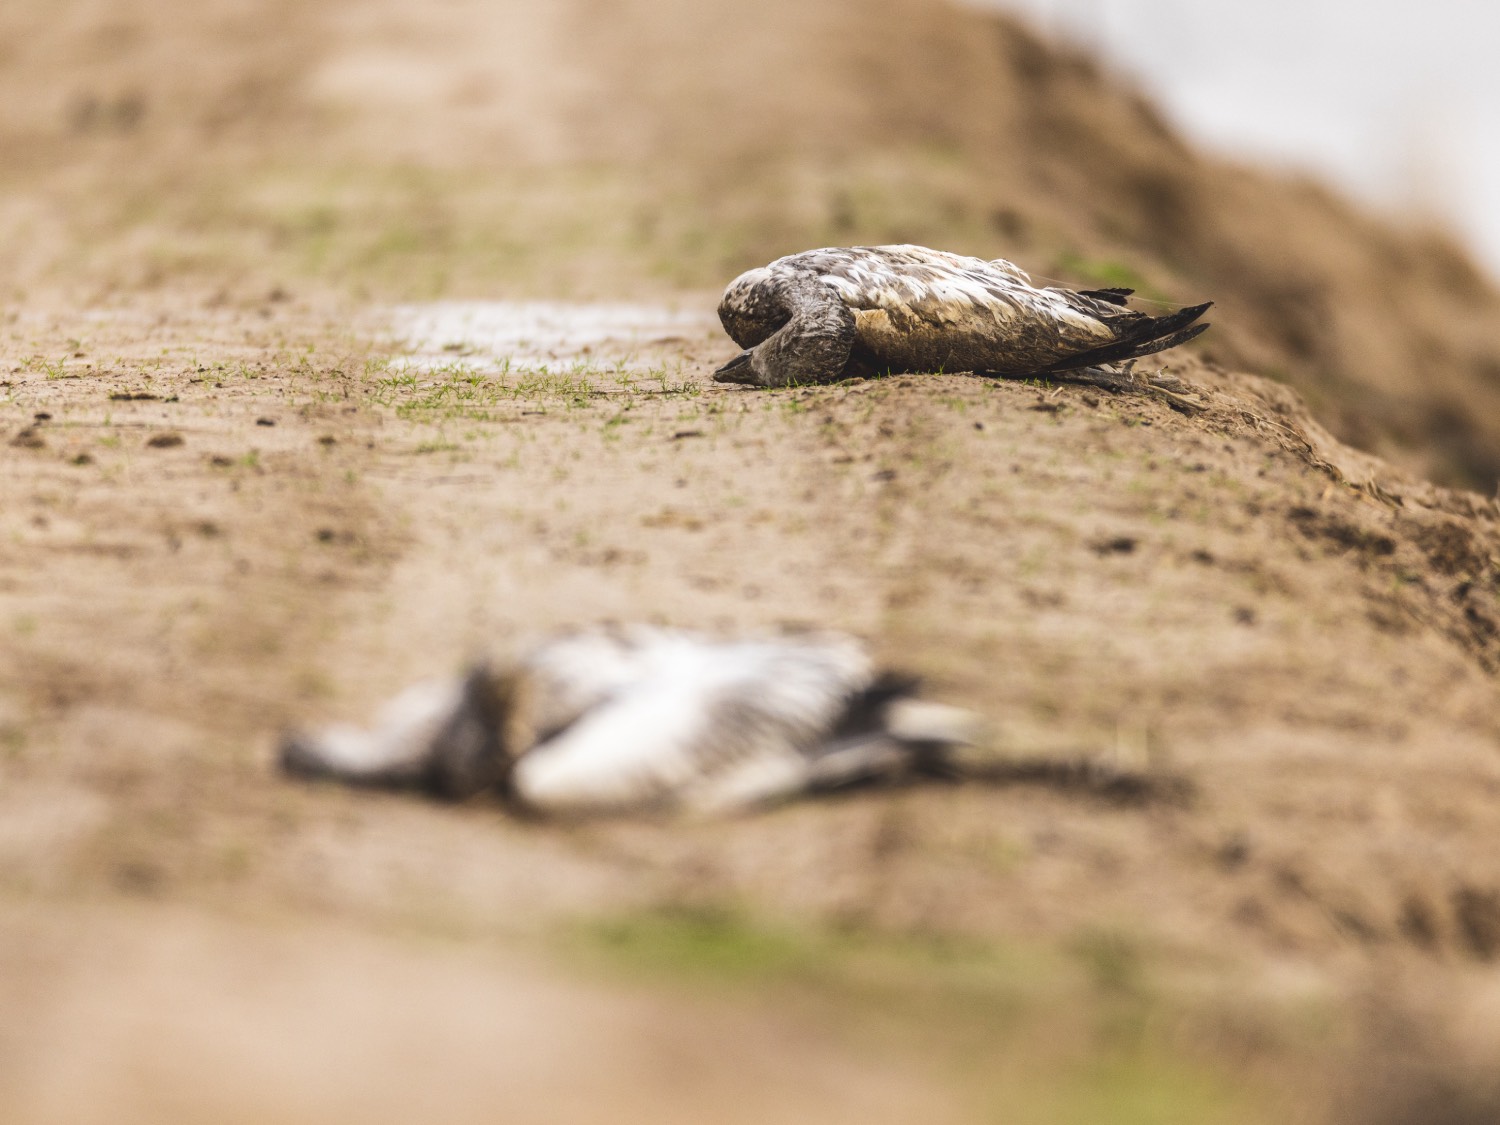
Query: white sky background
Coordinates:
[1398,103]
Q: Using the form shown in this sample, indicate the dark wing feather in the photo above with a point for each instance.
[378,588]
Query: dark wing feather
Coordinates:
[1149,335]
[1108,296]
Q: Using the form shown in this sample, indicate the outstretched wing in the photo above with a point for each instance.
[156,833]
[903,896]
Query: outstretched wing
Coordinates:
[704,720]
[569,676]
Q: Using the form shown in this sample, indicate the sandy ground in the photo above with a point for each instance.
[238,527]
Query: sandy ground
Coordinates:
[1243,674]
[270,448]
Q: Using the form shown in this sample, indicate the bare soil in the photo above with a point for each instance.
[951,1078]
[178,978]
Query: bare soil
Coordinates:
[1234,857]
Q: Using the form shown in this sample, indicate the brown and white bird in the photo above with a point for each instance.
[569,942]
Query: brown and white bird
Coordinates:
[642,718]
[826,315]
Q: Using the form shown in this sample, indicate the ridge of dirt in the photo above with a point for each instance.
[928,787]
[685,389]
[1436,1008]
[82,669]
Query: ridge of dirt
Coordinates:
[508,147]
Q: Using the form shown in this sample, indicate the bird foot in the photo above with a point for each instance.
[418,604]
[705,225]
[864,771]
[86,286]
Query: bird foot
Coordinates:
[1124,378]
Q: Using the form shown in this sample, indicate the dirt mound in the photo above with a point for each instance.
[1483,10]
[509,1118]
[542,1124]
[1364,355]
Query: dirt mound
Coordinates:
[574,147]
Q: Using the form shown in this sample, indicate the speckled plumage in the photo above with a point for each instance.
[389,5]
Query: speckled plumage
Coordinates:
[644,718]
[824,315]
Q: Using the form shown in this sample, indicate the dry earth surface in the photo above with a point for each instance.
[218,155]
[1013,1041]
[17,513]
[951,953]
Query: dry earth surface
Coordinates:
[1240,678]
[1231,862]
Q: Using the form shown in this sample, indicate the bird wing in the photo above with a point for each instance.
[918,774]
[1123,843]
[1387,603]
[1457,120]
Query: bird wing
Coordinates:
[568,676]
[924,310]
[700,713]
[951,290]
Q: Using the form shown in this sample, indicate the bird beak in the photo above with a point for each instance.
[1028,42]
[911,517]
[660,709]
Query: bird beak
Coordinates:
[737,370]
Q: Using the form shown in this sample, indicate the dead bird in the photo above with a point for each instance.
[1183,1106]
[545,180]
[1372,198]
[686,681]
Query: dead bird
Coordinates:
[647,719]
[826,315]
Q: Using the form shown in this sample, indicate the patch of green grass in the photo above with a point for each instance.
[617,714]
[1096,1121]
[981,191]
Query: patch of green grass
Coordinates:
[1141,1088]
[717,943]
[51,368]
[681,389]
[394,384]
[462,391]
[1070,1035]
[700,943]
[572,386]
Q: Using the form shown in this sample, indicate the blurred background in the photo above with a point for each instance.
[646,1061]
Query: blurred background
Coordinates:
[1394,103]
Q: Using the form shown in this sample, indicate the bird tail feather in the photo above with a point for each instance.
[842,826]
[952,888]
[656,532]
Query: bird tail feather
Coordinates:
[1112,296]
[1146,337]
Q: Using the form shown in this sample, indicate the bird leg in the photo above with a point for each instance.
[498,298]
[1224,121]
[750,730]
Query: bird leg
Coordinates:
[1123,378]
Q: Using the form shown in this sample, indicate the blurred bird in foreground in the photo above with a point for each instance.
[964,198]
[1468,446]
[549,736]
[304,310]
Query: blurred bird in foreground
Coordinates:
[641,719]
[826,315]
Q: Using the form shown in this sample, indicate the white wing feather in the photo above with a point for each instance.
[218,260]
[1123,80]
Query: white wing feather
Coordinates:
[702,721]
[394,751]
[955,287]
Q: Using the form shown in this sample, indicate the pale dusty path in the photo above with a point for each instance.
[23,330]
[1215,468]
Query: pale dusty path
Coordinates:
[136,1015]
